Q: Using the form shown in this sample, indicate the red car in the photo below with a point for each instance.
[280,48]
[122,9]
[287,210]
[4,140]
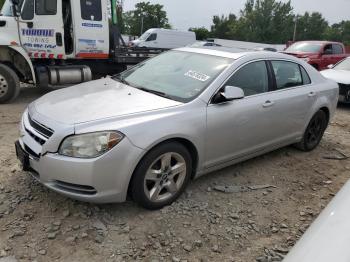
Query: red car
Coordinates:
[319,54]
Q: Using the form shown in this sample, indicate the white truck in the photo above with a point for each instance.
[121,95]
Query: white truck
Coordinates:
[57,43]
[165,38]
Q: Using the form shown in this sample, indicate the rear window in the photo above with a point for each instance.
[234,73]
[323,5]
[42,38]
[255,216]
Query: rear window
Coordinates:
[91,10]
[46,7]
[305,75]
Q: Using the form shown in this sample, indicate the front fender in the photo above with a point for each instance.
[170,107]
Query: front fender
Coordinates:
[24,54]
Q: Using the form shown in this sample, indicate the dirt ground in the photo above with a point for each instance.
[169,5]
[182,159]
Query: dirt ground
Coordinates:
[203,225]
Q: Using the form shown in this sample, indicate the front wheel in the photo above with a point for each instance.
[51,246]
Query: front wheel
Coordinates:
[161,176]
[9,84]
[314,132]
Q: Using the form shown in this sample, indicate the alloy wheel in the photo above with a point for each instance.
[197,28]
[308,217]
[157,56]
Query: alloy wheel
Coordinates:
[165,177]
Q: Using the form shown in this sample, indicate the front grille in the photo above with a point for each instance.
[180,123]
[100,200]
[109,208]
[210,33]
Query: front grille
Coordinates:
[36,138]
[74,188]
[40,128]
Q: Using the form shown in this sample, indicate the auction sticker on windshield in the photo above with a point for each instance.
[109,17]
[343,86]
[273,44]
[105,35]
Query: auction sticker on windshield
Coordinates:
[198,76]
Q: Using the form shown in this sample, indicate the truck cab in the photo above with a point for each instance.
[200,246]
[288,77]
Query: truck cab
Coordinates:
[48,28]
[58,43]
[319,54]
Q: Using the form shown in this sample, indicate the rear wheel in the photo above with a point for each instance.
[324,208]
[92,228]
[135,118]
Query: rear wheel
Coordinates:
[161,176]
[314,132]
[9,84]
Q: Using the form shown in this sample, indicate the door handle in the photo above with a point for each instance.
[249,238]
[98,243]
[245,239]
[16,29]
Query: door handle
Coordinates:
[311,94]
[268,103]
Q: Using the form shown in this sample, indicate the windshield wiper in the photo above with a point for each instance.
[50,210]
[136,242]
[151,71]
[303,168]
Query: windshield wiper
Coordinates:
[158,93]
[121,80]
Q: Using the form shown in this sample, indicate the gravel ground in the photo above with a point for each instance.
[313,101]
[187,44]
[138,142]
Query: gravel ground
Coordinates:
[203,225]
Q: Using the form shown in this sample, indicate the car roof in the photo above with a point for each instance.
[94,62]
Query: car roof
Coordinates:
[235,53]
[215,51]
[318,42]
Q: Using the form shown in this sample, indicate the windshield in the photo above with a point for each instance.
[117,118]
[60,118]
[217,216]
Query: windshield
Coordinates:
[177,75]
[7,9]
[305,48]
[343,65]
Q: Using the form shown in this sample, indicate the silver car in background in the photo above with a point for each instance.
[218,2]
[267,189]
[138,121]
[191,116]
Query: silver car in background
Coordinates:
[149,130]
[340,73]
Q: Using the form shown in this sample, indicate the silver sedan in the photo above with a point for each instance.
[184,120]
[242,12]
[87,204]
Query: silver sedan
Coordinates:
[149,130]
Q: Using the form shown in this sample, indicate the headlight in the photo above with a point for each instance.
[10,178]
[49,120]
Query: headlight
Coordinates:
[90,145]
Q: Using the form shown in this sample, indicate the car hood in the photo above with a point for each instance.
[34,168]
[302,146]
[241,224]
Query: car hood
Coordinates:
[96,100]
[339,76]
[299,54]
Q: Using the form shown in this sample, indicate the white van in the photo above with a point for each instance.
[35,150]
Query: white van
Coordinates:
[165,38]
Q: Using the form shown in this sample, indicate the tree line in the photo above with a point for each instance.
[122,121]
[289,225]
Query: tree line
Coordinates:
[271,21]
[265,21]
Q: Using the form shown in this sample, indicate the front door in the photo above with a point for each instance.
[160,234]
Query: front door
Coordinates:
[240,127]
[41,28]
[327,57]
[91,29]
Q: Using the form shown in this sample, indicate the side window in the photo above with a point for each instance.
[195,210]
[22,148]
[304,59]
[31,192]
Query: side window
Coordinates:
[337,49]
[46,7]
[252,78]
[287,74]
[328,50]
[305,75]
[152,37]
[28,10]
[91,10]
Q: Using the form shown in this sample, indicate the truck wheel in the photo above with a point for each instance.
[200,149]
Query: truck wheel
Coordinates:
[9,84]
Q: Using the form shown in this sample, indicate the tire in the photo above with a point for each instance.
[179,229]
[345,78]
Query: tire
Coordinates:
[155,182]
[314,132]
[9,84]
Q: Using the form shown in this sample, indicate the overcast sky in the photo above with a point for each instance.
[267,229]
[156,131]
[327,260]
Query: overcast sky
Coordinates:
[195,13]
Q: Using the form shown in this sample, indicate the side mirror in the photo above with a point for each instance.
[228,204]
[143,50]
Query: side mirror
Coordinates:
[330,66]
[232,93]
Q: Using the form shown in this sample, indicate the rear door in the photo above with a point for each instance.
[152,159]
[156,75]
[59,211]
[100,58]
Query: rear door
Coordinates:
[91,29]
[41,28]
[293,97]
[338,53]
